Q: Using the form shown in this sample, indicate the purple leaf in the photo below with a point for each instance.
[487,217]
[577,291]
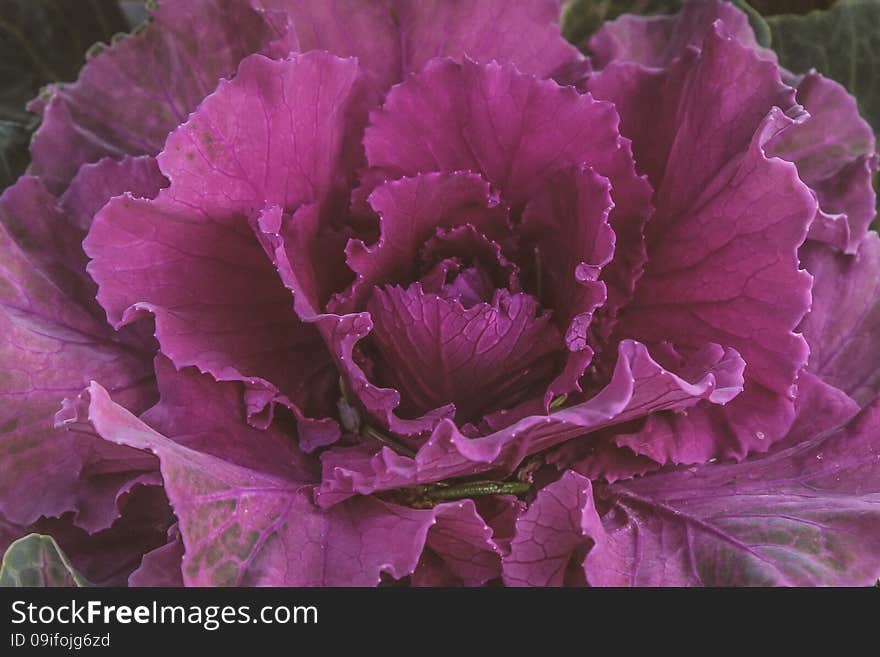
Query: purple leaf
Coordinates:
[132,94]
[804,516]
[730,219]
[54,340]
[842,325]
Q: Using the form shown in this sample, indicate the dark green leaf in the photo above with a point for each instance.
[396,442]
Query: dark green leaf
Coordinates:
[42,41]
[771,7]
[580,18]
[842,43]
[36,560]
[134,10]
[757,22]
[14,138]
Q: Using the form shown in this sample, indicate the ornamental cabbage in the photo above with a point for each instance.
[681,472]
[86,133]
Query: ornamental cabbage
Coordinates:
[340,293]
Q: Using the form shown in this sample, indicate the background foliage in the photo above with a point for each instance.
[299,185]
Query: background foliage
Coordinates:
[45,41]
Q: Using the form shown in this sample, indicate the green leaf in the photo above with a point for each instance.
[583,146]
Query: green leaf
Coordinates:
[36,560]
[14,139]
[580,18]
[842,43]
[756,21]
[771,7]
[42,41]
[134,10]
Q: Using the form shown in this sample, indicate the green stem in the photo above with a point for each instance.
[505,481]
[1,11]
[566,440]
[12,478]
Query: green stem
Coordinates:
[375,434]
[558,402]
[477,489]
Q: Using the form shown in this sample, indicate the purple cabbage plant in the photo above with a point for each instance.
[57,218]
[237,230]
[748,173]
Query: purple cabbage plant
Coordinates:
[349,292]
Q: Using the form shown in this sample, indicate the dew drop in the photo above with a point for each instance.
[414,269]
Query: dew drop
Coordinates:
[760,435]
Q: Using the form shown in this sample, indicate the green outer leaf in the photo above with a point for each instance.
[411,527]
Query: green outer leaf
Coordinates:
[36,560]
[842,43]
[772,7]
[42,41]
[135,12]
[580,18]
[757,22]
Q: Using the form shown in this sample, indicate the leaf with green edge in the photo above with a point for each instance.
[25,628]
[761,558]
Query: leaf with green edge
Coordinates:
[580,18]
[36,560]
[43,41]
